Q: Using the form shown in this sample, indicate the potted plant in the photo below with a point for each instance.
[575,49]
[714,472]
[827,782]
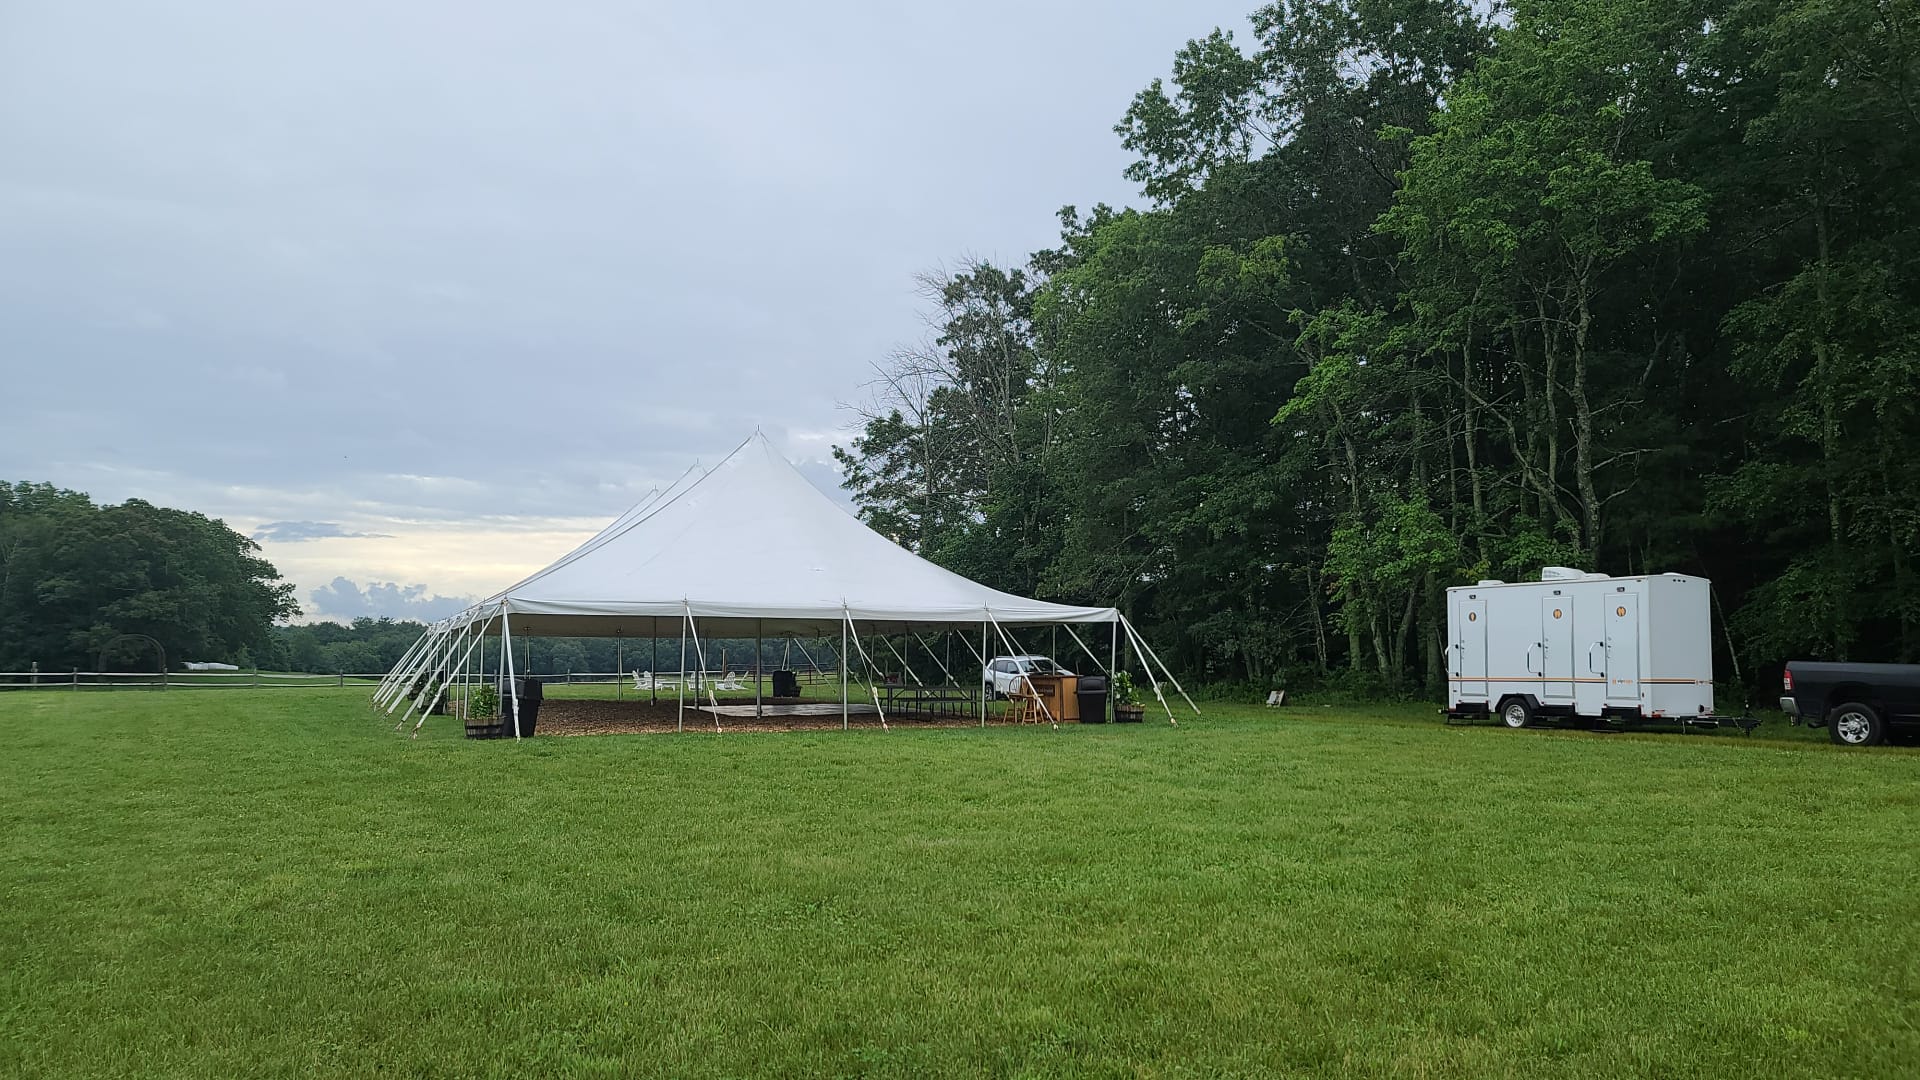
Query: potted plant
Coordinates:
[1126,700]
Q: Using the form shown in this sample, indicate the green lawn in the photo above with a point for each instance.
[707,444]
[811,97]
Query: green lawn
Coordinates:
[270,883]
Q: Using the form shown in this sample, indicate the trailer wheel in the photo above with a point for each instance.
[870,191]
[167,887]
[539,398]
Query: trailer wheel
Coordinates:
[1856,723]
[1516,713]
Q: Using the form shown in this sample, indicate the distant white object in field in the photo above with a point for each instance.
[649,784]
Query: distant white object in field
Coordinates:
[1277,697]
[194,665]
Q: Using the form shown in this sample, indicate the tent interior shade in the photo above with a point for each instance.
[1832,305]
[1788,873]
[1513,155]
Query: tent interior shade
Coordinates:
[751,547]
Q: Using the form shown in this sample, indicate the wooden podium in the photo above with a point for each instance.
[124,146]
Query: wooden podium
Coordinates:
[1060,694]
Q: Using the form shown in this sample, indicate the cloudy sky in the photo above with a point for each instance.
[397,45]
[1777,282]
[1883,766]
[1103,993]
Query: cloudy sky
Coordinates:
[420,294]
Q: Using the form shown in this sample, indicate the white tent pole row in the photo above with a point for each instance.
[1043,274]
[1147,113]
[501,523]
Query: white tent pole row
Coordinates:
[437,671]
[477,639]
[420,670]
[427,672]
[407,671]
[385,689]
[871,688]
[1014,650]
[1163,667]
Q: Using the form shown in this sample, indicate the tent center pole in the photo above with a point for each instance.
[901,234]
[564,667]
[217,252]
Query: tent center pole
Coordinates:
[759,643]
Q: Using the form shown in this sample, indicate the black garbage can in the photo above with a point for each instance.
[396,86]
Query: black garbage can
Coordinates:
[786,684]
[529,692]
[1092,692]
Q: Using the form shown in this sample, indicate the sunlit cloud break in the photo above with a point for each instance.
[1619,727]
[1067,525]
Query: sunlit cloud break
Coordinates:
[294,532]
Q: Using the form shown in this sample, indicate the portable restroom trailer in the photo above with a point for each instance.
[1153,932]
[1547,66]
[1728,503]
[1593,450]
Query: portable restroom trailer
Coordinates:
[1581,645]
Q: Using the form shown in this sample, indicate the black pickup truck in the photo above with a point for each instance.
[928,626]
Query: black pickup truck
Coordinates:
[1861,704]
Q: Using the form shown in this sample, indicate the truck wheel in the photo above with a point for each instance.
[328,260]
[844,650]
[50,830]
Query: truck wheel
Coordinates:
[1856,724]
[1516,713]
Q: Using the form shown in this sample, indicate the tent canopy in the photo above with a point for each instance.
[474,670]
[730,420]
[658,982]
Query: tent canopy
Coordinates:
[751,546]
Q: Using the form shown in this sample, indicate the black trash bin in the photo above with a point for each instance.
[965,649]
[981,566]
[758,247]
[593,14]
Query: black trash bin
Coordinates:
[786,684]
[1092,692]
[529,691]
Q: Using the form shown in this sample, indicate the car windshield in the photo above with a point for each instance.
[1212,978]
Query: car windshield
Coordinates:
[1039,665]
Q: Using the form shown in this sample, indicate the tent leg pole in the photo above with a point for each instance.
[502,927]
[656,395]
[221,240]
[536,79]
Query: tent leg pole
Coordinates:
[506,630]
[845,722]
[759,643]
[619,669]
[681,724]
[983,673]
[653,663]
[1113,652]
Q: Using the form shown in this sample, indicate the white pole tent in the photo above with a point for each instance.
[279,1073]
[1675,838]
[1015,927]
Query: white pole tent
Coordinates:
[743,549]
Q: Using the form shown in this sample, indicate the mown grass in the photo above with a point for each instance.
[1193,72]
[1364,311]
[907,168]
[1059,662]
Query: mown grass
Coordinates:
[269,883]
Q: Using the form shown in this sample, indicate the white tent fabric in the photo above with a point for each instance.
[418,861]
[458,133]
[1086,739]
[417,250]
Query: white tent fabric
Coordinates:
[749,545]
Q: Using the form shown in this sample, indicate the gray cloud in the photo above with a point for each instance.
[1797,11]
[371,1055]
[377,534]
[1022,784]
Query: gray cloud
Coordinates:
[491,261]
[344,600]
[293,532]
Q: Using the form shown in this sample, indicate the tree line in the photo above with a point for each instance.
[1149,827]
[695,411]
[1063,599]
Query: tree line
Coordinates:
[91,587]
[1424,294]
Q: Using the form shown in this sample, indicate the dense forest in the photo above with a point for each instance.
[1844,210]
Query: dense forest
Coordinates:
[1424,295]
[91,587]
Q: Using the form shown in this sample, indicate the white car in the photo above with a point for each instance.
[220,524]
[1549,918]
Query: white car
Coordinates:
[1002,675]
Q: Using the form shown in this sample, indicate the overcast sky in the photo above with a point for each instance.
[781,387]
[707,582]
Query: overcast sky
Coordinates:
[421,293]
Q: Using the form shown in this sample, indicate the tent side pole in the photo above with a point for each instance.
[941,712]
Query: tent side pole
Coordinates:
[619,667]
[506,639]
[845,723]
[653,663]
[1164,670]
[1083,648]
[759,643]
[1013,649]
[700,657]
[681,724]
[983,673]
[1140,653]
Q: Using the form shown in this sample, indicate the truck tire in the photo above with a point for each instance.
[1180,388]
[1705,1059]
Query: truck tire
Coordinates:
[1516,713]
[1855,723]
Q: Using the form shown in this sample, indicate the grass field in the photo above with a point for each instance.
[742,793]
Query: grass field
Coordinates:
[269,883]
